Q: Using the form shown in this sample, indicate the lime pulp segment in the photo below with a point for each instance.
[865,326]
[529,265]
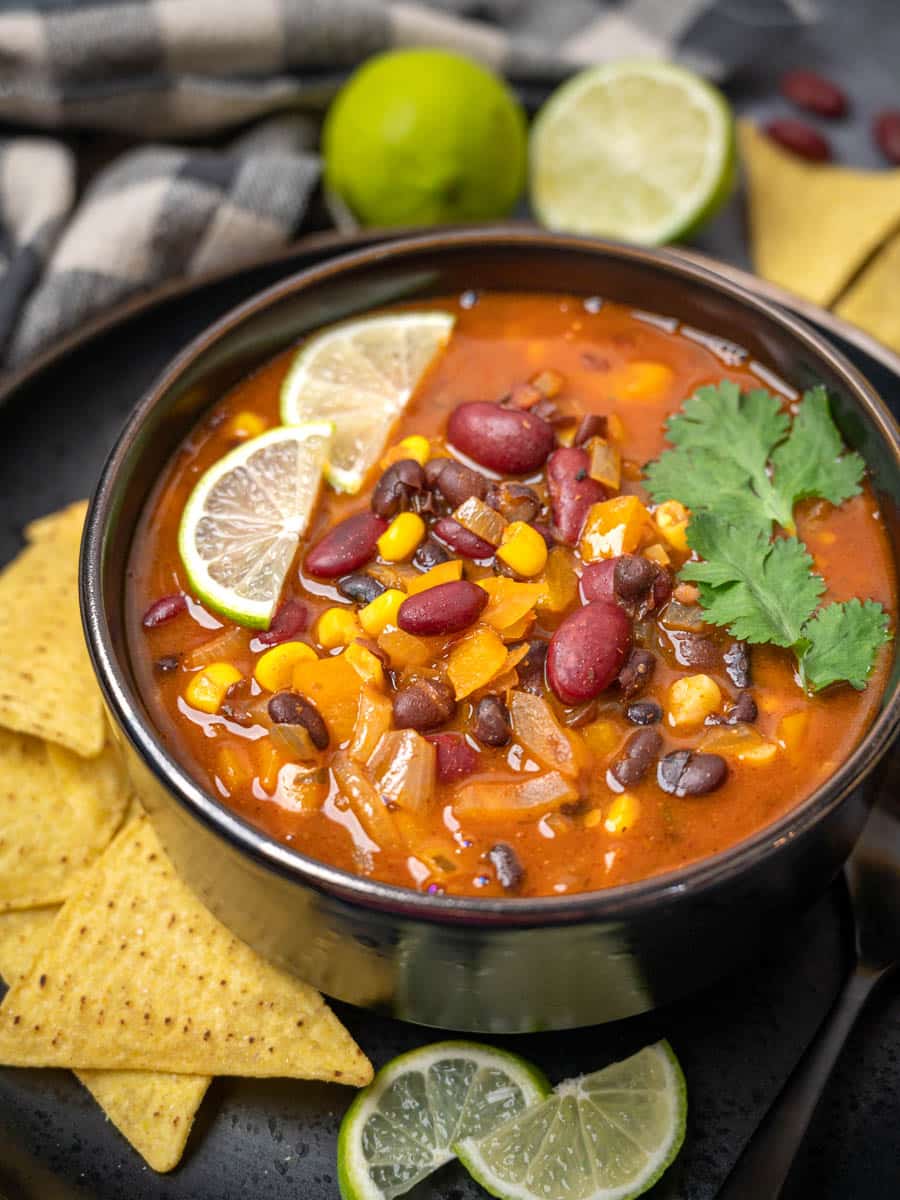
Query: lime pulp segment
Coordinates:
[402,1126]
[243,521]
[605,1136]
[639,151]
[361,375]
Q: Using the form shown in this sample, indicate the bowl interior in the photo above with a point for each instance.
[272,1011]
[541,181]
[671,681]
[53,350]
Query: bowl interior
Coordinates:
[420,268]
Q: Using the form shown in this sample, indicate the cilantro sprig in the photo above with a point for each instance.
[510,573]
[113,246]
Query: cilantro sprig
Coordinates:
[740,465]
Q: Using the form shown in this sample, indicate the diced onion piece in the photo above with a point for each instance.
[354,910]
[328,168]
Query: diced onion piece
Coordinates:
[295,741]
[475,660]
[740,742]
[560,588]
[529,796]
[606,462]
[508,600]
[405,649]
[548,382]
[373,719]
[688,617]
[356,788]
[482,520]
[224,647]
[300,788]
[537,729]
[402,767]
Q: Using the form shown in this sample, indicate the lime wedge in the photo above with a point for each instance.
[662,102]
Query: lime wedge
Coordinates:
[361,375]
[606,1136]
[639,151]
[401,1127]
[242,522]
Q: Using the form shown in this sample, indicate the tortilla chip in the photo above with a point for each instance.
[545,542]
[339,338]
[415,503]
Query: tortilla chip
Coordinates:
[58,812]
[811,225]
[154,1112]
[65,523]
[872,301]
[140,976]
[47,686]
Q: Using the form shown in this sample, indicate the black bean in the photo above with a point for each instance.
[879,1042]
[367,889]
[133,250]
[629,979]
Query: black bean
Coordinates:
[492,724]
[429,554]
[514,501]
[644,712]
[531,669]
[695,650]
[641,750]
[737,664]
[687,773]
[457,483]
[167,664]
[424,704]
[638,668]
[396,488]
[590,425]
[633,577]
[742,712]
[507,867]
[581,714]
[287,708]
[360,587]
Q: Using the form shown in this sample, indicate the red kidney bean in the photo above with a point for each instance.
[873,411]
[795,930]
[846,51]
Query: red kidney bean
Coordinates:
[506,440]
[637,670]
[635,583]
[588,651]
[886,134]
[455,482]
[597,581]
[290,620]
[398,488]
[686,773]
[507,868]
[572,491]
[462,540]
[346,547]
[590,425]
[423,704]
[164,609]
[800,139]
[815,93]
[455,757]
[447,608]
[287,708]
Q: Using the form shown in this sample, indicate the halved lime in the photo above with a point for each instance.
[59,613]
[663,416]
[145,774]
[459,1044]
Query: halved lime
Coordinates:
[401,1127]
[605,1136]
[361,375]
[639,151]
[242,522]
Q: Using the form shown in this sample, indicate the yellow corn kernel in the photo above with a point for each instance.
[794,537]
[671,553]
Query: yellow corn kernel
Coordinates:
[402,536]
[336,627]
[416,447]
[672,521]
[593,818]
[207,688]
[275,669]
[366,664]
[640,380]
[622,813]
[692,699]
[445,572]
[523,549]
[244,425]
[381,612]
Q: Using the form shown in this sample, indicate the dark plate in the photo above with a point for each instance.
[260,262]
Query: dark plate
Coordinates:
[276,1139]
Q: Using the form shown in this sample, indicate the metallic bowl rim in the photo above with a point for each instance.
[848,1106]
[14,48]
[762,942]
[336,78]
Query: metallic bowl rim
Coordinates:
[614,903]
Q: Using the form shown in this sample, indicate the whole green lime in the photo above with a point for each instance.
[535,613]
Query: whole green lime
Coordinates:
[424,137]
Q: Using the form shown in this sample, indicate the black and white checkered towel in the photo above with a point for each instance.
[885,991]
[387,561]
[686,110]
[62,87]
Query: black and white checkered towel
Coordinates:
[195,69]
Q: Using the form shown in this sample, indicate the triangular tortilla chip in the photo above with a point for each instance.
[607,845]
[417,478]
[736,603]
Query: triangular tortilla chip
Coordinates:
[47,686]
[873,300]
[65,522]
[140,976]
[58,812]
[812,225]
[154,1112]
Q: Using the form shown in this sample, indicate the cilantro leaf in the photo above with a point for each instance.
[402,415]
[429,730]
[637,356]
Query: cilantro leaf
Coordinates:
[694,478]
[813,461]
[763,591]
[840,643]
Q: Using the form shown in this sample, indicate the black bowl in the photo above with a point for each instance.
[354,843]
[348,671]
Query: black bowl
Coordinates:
[466,963]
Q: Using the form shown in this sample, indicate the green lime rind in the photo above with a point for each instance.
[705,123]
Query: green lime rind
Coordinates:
[227,602]
[561,1115]
[361,374]
[426,1083]
[594,165]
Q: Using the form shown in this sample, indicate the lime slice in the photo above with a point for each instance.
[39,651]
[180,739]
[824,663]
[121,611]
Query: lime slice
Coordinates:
[360,375]
[606,1136]
[401,1127]
[242,522]
[639,151]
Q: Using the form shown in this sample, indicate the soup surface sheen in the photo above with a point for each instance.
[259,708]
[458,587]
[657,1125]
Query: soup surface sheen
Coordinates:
[591,838]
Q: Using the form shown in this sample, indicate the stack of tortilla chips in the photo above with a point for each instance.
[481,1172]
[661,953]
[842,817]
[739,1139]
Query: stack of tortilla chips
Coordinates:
[115,969]
[827,233]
